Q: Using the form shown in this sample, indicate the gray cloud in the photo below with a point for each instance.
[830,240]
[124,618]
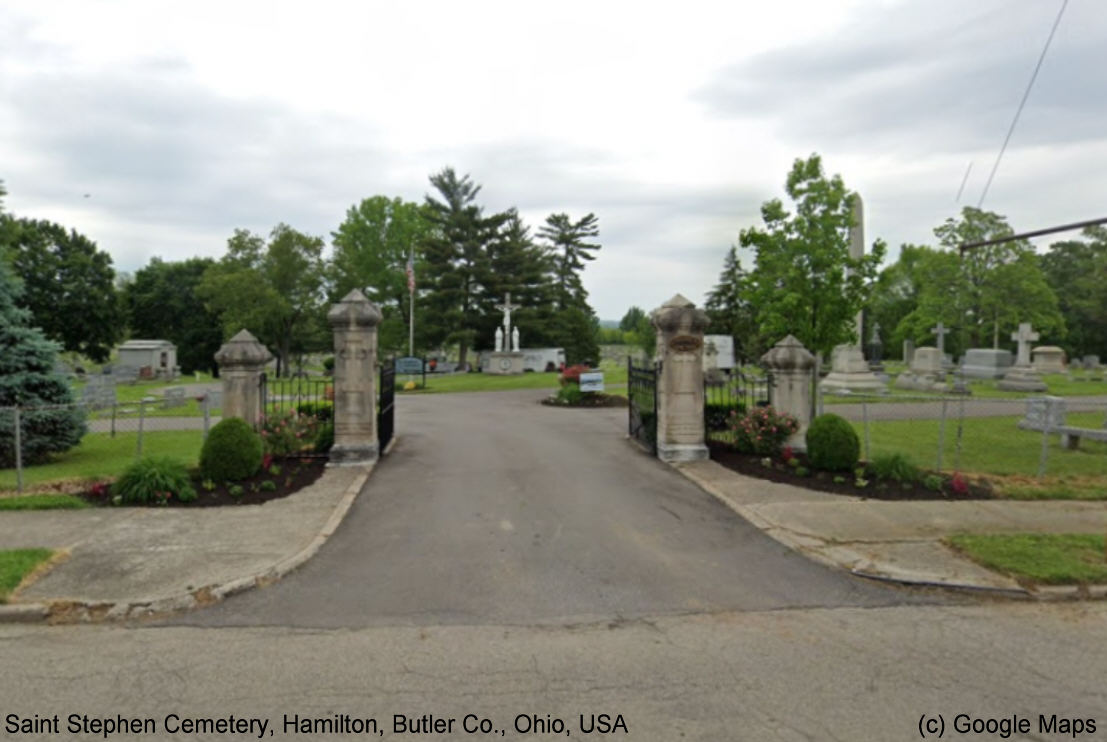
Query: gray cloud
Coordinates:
[928,77]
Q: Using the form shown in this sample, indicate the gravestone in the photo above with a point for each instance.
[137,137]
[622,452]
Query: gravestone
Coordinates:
[987,363]
[926,373]
[1044,412]
[849,371]
[99,392]
[1049,359]
[876,349]
[504,361]
[1022,377]
[908,352]
[1091,362]
[173,397]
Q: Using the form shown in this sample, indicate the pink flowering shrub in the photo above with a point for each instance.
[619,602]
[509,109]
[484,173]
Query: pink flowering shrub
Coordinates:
[288,432]
[762,430]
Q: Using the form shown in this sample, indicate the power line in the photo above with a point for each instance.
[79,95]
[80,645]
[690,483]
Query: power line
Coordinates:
[1025,95]
[963,181]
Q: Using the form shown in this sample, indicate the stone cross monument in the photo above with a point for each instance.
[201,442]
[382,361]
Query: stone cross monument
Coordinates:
[940,331]
[1022,377]
[507,308]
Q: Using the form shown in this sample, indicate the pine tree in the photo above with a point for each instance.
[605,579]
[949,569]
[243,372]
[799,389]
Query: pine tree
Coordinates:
[519,265]
[456,257]
[27,379]
[729,313]
[571,251]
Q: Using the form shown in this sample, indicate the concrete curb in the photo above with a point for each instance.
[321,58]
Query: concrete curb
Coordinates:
[64,611]
[804,546]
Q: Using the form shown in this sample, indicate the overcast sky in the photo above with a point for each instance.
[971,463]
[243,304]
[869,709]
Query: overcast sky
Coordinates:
[671,122]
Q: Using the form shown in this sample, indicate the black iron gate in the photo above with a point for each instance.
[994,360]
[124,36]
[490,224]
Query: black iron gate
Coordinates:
[728,391]
[386,410]
[642,398]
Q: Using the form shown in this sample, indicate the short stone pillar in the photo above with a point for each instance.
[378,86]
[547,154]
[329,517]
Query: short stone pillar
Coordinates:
[793,369]
[680,433]
[355,320]
[241,362]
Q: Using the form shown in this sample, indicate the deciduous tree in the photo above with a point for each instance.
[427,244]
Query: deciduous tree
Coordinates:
[804,281]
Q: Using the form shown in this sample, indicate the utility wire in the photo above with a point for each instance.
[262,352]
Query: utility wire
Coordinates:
[1025,95]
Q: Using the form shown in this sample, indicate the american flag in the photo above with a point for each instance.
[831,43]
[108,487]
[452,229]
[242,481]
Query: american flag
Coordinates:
[410,271]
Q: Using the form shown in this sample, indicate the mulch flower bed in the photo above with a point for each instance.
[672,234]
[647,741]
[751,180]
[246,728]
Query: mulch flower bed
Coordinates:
[292,475]
[593,399]
[953,487]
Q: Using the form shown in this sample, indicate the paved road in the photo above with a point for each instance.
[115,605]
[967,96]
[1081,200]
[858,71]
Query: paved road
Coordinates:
[789,675]
[495,509]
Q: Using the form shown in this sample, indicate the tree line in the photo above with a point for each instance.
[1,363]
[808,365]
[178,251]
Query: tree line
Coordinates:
[280,285]
[804,282]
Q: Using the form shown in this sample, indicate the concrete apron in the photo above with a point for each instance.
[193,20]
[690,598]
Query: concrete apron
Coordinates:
[142,562]
[897,541]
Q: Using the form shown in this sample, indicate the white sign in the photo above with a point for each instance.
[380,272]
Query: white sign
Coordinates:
[591,382]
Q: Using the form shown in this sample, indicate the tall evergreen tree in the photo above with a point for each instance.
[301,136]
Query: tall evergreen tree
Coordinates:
[568,241]
[27,379]
[518,265]
[730,313]
[456,257]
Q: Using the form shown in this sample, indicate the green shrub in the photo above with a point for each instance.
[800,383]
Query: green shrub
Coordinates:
[154,480]
[328,364]
[321,411]
[236,491]
[832,443]
[932,482]
[268,486]
[324,439]
[717,416]
[762,431]
[895,467]
[570,394]
[232,451]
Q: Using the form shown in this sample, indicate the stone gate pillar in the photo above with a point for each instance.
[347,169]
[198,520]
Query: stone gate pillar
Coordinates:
[793,371]
[355,320]
[680,433]
[241,362]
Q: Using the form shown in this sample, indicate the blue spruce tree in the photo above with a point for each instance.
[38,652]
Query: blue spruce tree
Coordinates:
[49,422]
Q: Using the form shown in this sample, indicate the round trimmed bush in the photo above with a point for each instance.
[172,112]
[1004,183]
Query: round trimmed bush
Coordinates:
[231,452]
[832,444]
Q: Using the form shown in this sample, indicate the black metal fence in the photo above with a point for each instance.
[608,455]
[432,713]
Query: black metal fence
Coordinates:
[386,411]
[732,391]
[304,395]
[642,398]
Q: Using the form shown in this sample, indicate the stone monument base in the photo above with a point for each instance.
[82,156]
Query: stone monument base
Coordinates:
[1022,379]
[922,382]
[986,363]
[353,454]
[676,452]
[849,372]
[505,363]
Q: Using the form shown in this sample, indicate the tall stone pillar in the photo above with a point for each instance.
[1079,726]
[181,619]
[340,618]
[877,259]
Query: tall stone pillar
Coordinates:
[241,362]
[793,370]
[680,433]
[355,320]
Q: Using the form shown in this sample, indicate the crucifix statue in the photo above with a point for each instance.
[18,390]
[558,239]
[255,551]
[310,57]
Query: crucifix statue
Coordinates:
[506,308]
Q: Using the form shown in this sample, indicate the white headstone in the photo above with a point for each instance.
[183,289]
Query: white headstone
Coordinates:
[1024,337]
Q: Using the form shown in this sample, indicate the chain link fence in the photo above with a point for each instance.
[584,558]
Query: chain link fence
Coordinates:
[989,436]
[151,425]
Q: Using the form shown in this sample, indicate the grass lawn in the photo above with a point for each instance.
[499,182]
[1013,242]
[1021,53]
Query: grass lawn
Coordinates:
[99,455]
[43,502]
[1056,559]
[16,564]
[990,445]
